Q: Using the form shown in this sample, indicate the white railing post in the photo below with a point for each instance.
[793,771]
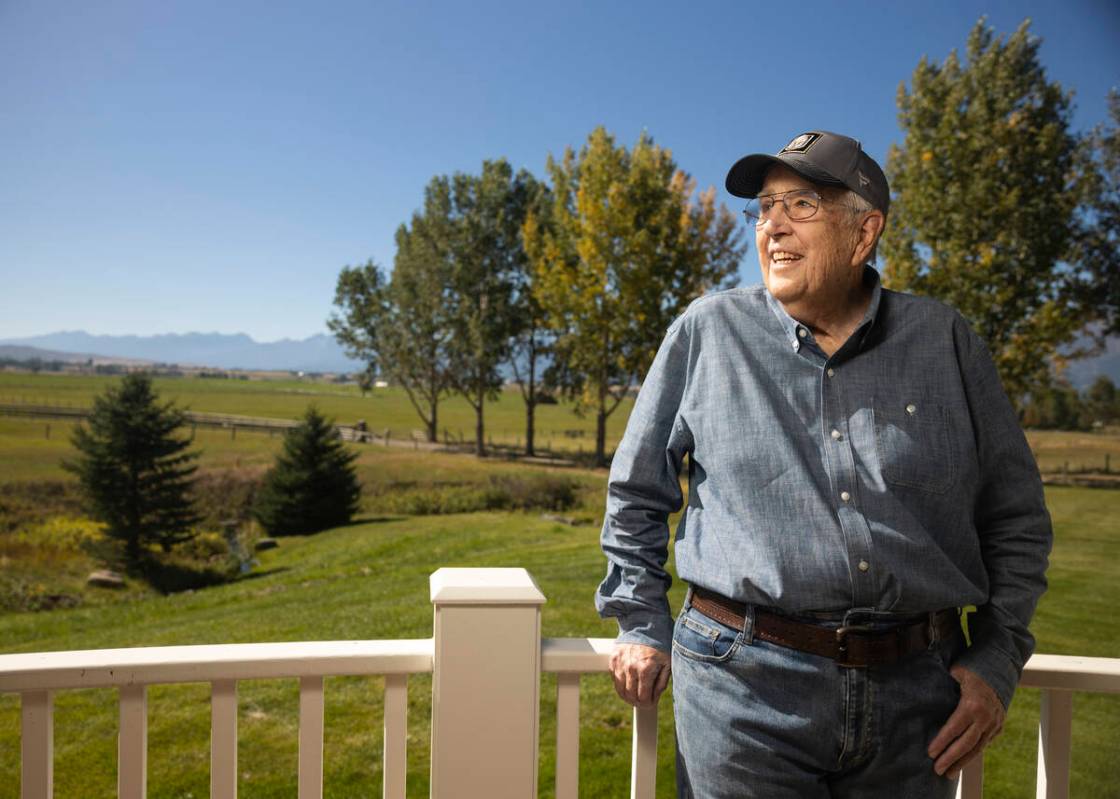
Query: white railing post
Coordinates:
[311,737]
[485,683]
[132,743]
[223,739]
[567,736]
[1055,727]
[37,745]
[643,757]
[394,770]
[971,783]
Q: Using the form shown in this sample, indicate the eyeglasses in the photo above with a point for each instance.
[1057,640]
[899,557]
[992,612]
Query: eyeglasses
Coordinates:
[799,205]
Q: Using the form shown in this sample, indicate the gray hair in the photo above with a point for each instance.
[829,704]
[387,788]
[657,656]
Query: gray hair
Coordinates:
[857,204]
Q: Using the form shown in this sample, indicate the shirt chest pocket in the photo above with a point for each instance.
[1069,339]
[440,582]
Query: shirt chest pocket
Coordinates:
[914,445]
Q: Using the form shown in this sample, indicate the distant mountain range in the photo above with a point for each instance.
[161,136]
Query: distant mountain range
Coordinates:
[1083,372]
[319,353]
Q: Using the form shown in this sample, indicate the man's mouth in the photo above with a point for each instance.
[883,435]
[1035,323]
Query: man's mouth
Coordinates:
[784,257]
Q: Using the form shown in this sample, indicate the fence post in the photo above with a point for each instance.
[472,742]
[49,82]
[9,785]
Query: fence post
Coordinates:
[485,683]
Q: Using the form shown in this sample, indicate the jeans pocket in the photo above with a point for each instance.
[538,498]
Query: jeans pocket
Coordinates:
[944,653]
[698,637]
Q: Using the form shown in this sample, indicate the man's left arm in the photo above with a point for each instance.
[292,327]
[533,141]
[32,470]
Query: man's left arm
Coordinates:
[1015,536]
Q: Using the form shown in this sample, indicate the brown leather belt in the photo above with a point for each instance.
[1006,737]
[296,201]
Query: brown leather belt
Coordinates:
[851,646]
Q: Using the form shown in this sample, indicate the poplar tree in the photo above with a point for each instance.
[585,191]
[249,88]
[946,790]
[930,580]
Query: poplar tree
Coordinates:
[485,255]
[402,326]
[1096,237]
[135,471]
[988,185]
[532,338]
[454,308]
[627,249]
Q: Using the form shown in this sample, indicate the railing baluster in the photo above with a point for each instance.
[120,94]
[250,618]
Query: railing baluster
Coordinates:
[132,743]
[1055,724]
[223,739]
[37,745]
[643,763]
[395,758]
[310,738]
[971,784]
[567,736]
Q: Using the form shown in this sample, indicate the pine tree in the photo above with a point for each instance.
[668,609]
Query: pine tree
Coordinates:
[134,471]
[312,485]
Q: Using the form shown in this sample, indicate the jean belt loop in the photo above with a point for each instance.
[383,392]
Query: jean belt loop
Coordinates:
[748,624]
[688,598]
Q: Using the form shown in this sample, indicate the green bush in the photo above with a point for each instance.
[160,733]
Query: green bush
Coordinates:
[313,485]
[541,492]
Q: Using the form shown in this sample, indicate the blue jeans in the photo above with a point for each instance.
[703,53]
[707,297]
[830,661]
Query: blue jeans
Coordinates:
[754,719]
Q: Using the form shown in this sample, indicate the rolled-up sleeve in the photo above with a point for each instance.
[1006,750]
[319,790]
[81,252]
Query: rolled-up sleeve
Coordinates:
[1012,524]
[643,489]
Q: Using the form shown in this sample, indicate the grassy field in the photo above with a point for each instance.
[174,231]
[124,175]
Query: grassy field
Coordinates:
[370,580]
[23,455]
[556,427]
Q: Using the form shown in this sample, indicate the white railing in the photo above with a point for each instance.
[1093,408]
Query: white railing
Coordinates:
[486,658]
[1058,676]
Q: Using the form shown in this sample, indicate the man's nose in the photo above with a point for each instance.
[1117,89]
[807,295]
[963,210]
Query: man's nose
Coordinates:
[776,222]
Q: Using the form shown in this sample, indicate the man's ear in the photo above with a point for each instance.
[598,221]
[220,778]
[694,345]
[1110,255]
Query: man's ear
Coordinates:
[870,229]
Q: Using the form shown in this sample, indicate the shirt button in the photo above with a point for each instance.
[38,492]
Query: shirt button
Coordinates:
[864,565]
[911,409]
[844,495]
[802,332]
[796,346]
[836,435]
[830,372]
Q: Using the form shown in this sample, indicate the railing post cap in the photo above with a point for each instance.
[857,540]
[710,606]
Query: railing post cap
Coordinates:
[484,587]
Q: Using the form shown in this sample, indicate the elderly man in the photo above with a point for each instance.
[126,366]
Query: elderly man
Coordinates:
[856,474]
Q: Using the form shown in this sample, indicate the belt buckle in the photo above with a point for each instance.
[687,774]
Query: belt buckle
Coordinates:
[842,644]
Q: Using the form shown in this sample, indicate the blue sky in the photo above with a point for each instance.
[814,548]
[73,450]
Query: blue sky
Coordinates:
[193,165]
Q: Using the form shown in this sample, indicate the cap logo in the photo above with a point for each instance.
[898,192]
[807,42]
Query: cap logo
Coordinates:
[801,143]
[864,181]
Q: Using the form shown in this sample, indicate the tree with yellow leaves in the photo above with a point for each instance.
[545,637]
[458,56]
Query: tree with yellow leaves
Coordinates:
[627,245]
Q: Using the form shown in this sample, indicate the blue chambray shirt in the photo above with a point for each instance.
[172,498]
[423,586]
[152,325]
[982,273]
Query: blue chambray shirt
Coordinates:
[892,476]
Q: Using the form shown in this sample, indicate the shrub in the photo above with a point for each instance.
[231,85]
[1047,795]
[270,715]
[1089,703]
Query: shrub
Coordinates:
[500,492]
[313,484]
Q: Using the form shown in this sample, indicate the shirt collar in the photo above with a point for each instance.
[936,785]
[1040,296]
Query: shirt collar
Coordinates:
[791,326]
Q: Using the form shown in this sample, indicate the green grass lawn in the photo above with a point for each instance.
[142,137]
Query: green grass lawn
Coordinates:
[370,580]
[557,427]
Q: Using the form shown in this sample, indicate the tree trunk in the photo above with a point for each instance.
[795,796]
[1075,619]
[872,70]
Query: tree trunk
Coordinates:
[433,426]
[479,428]
[531,402]
[530,413]
[433,422]
[601,438]
[601,427]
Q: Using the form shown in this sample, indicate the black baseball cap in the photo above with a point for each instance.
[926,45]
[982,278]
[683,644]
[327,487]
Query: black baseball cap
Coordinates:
[819,156]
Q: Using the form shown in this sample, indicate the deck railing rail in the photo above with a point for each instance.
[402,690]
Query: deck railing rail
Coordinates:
[486,658]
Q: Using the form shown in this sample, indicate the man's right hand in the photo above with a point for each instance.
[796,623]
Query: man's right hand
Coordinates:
[640,673]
